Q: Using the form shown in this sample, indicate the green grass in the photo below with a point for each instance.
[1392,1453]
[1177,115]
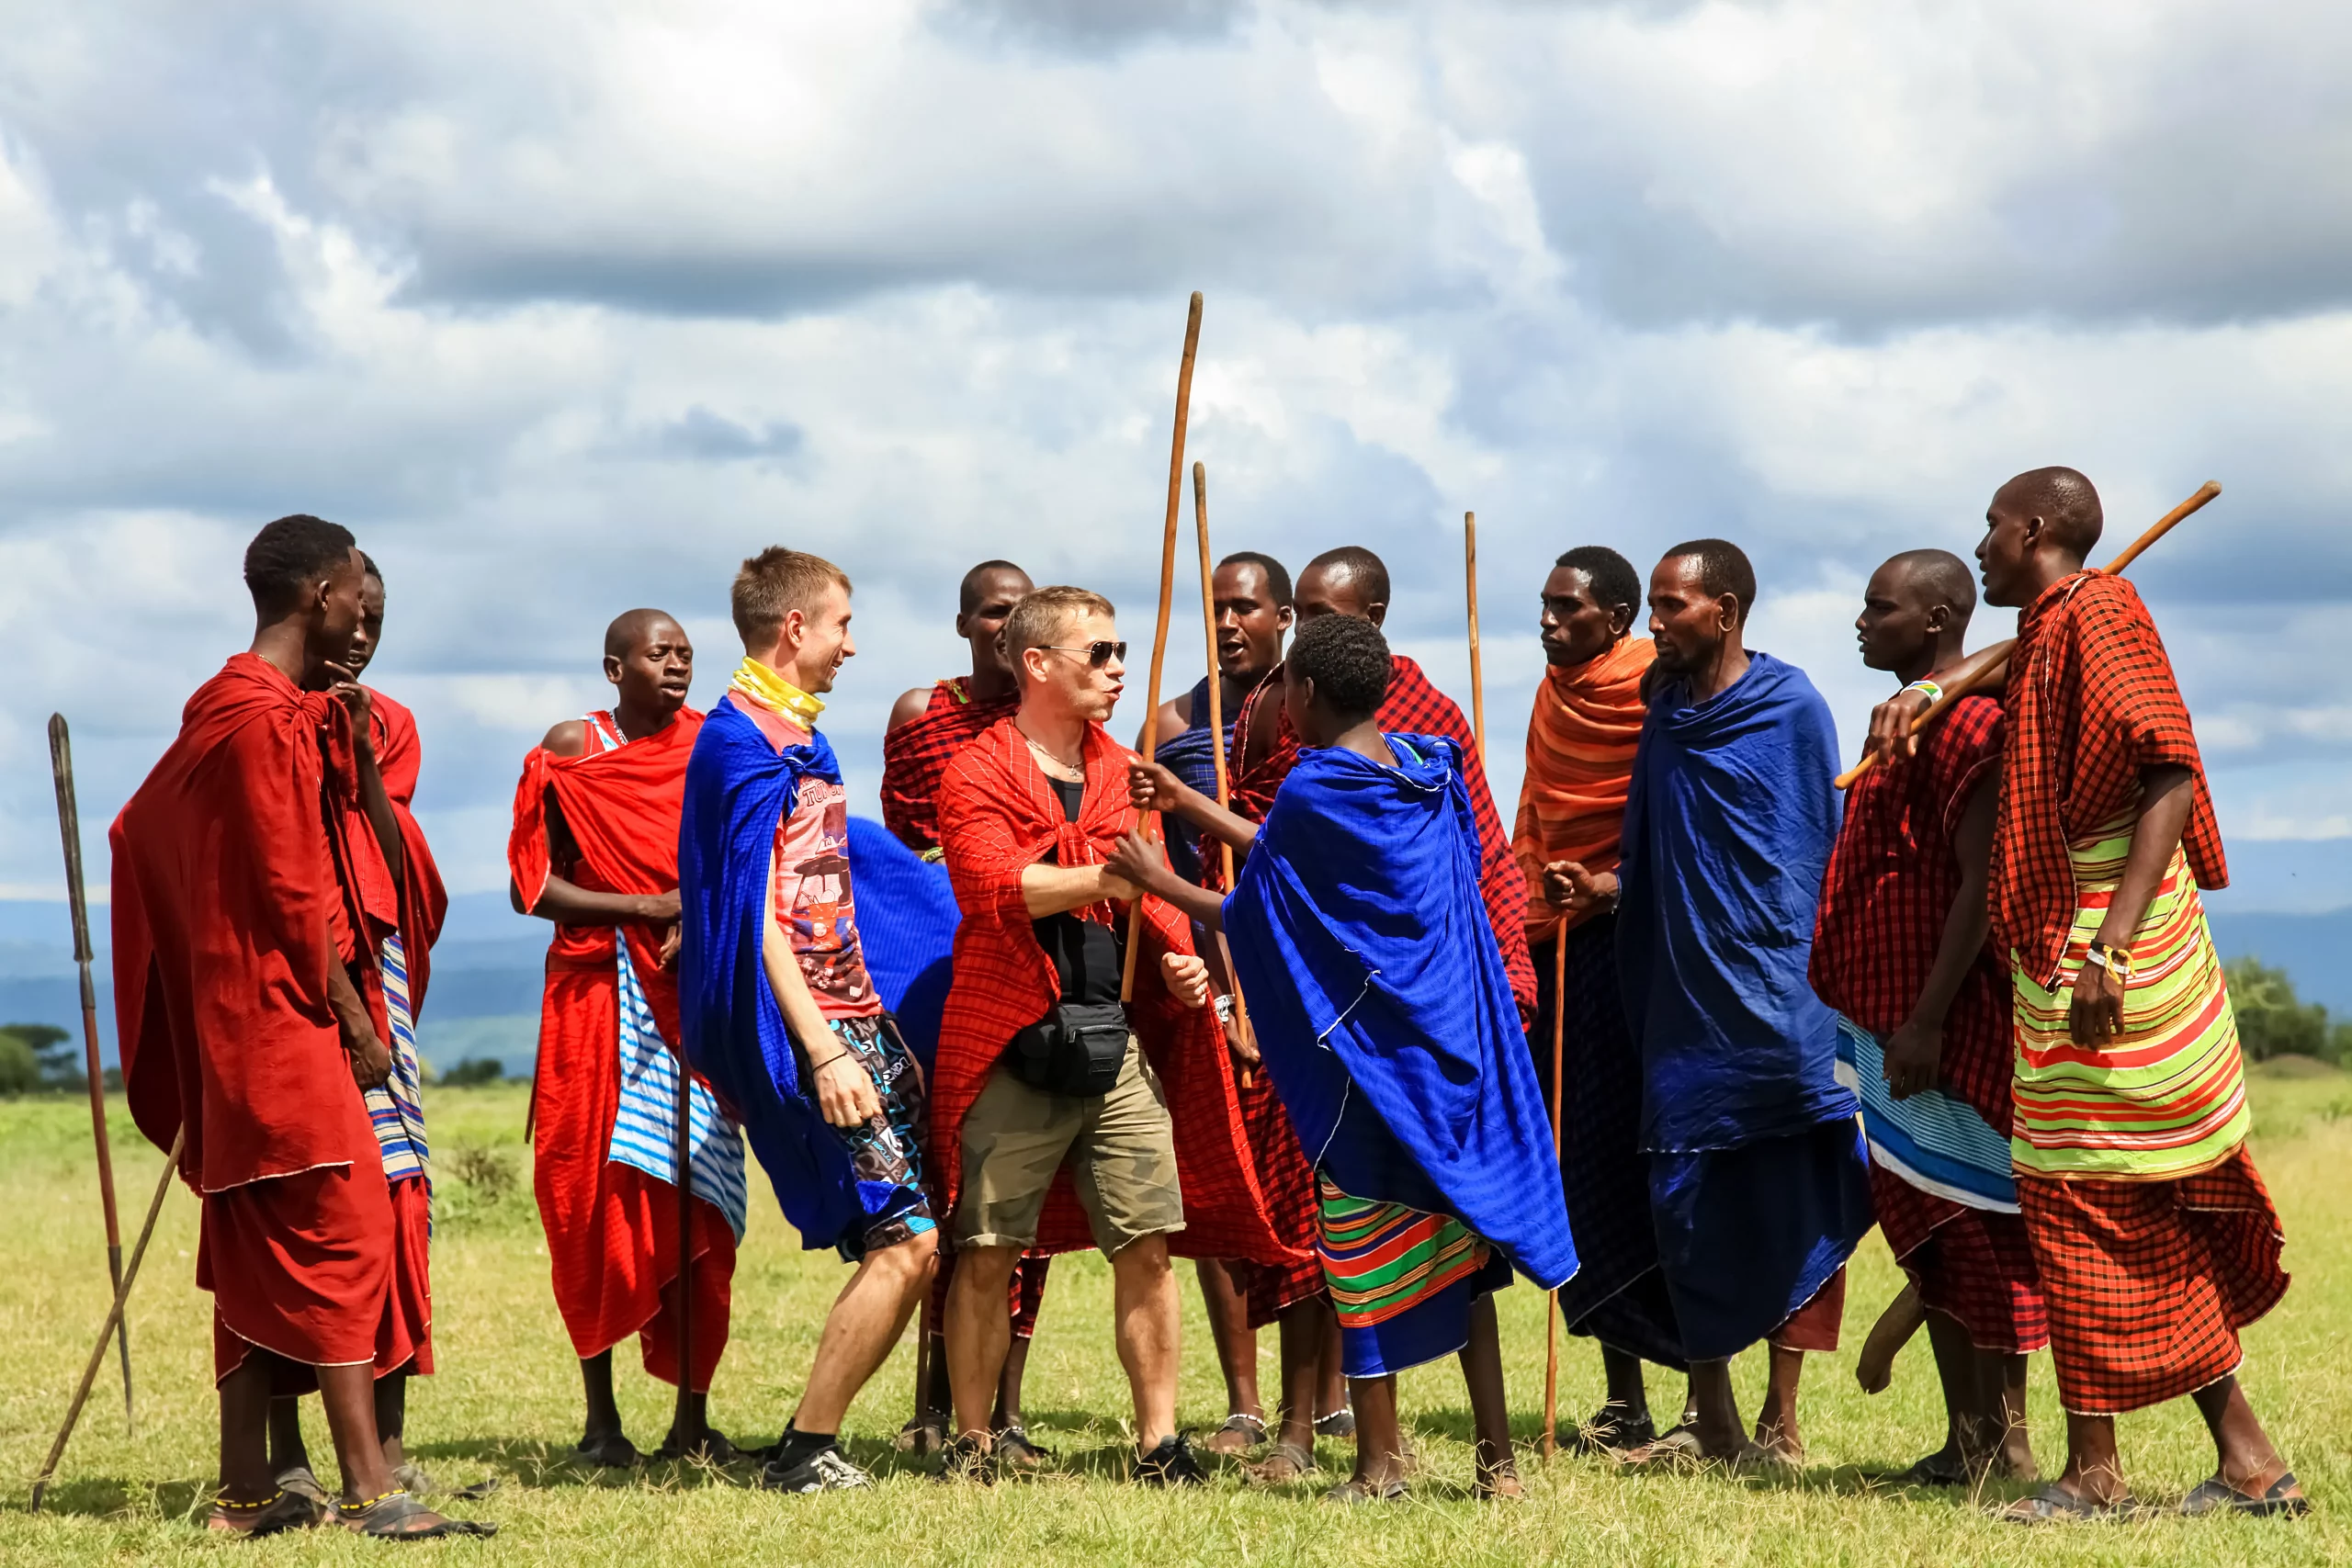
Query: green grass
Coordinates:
[506,1405]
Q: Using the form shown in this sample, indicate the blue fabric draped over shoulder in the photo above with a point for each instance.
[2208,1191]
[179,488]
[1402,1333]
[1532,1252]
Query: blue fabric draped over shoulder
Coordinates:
[737,787]
[1361,938]
[906,915]
[1728,828]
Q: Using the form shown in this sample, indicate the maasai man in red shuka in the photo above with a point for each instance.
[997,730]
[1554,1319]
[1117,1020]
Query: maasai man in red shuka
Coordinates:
[254,871]
[928,726]
[395,1107]
[1899,948]
[2155,1239]
[1060,1118]
[595,850]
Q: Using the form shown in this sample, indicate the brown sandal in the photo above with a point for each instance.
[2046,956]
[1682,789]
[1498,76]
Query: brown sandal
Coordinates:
[395,1516]
[278,1513]
[1288,1462]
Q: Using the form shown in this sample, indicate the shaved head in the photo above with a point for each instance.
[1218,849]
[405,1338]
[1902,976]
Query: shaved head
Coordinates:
[2066,504]
[634,629]
[1358,565]
[978,582]
[1937,577]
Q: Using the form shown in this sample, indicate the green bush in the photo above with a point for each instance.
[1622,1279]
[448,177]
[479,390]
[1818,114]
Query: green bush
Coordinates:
[471,1071]
[20,1065]
[37,1057]
[2273,1021]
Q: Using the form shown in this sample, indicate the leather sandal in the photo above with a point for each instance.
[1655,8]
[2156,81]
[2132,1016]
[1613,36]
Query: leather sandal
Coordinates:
[281,1511]
[2283,1500]
[394,1516]
[1288,1462]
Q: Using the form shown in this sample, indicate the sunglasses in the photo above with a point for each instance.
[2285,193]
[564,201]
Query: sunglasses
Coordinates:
[1098,654]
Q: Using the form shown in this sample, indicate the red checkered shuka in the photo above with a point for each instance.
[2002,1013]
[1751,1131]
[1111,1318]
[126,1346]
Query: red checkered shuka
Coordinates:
[1413,706]
[1288,1184]
[999,815]
[1892,879]
[1973,1265]
[915,757]
[2149,1282]
[2092,704]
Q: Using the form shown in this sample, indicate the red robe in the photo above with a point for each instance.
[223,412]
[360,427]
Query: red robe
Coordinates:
[612,1230]
[915,755]
[228,912]
[997,816]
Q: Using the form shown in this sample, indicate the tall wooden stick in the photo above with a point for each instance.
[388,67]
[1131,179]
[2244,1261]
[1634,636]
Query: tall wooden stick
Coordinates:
[1477,675]
[69,826]
[1551,1297]
[1990,666]
[114,1320]
[1217,734]
[688,1430]
[1166,597]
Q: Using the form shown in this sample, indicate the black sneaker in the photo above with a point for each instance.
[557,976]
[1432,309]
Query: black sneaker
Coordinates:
[1170,1465]
[966,1460]
[827,1470]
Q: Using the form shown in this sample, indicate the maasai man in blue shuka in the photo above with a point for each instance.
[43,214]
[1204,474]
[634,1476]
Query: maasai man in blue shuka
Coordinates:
[777,1006]
[1759,1187]
[1386,1019]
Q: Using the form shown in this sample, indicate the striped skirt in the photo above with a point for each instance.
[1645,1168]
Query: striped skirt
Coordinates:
[1402,1281]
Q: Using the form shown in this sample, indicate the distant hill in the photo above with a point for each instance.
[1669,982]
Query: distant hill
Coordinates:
[2314,949]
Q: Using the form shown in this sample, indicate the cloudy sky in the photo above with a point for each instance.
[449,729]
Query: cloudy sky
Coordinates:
[566,308]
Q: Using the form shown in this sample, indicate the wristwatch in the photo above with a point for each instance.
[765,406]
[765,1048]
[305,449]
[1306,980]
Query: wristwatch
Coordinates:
[1224,1005]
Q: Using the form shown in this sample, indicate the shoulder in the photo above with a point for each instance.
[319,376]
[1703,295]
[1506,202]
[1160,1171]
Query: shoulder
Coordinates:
[1175,717]
[569,739]
[912,705]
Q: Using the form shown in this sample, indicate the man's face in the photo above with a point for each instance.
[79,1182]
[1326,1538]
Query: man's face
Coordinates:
[339,609]
[982,625]
[657,668]
[1896,625]
[371,624]
[1335,590]
[1687,623]
[2005,551]
[824,642]
[1575,630]
[1066,678]
[1250,625]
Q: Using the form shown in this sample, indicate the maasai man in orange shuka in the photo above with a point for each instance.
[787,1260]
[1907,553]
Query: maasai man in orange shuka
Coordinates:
[1580,740]
[595,850]
[2155,1237]
[254,871]
[928,726]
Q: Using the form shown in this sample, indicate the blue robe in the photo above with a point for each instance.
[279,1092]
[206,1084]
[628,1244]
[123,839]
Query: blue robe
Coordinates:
[1381,1008]
[1759,1187]
[907,915]
[1191,755]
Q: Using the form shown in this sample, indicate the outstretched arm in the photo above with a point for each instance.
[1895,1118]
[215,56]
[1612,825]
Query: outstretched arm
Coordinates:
[1914,1054]
[1152,787]
[1142,861]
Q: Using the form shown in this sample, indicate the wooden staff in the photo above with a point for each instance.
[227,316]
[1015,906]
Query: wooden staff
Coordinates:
[1477,675]
[688,1430]
[114,1320]
[1551,1297]
[1990,666]
[1216,735]
[1166,596]
[69,825]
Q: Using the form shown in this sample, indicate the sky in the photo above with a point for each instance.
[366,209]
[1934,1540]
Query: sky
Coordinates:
[565,309]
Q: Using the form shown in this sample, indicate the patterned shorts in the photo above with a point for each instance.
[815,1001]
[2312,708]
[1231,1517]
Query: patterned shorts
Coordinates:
[887,1150]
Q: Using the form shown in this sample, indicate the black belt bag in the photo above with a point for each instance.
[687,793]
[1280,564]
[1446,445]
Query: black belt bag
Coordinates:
[1077,1049]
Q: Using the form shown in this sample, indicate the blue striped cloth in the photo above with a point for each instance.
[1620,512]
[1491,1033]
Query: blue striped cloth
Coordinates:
[644,1130]
[1933,1141]
[396,1107]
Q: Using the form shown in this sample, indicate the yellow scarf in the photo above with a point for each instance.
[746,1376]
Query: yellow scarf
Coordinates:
[772,692]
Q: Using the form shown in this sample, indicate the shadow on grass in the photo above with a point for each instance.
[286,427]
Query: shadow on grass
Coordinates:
[107,1497]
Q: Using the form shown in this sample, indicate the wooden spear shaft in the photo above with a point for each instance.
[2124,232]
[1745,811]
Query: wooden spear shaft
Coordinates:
[1990,666]
[1167,599]
[1216,735]
[1477,675]
[69,825]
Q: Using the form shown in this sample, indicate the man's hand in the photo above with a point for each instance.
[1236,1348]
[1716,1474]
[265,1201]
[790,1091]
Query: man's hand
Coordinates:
[845,1089]
[1568,886]
[345,688]
[1890,738]
[670,941]
[371,1059]
[1187,977]
[1152,787]
[2097,1016]
[1915,1056]
[1244,1050]
[1137,861]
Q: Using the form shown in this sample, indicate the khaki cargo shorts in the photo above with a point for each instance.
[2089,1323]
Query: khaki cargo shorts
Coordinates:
[1121,1149]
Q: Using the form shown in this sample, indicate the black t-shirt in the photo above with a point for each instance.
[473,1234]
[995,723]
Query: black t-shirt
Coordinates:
[1087,954]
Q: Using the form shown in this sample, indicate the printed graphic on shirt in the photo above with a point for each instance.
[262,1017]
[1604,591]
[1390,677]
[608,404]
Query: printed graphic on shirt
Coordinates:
[813,905]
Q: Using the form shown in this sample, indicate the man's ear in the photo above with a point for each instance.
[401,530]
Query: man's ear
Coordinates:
[1621,619]
[611,670]
[1286,617]
[1938,617]
[1377,614]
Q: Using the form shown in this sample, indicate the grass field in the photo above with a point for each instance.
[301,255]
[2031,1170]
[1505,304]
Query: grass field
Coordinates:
[506,1405]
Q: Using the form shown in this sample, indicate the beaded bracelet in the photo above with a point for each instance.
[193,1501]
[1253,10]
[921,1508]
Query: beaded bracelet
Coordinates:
[1935,692]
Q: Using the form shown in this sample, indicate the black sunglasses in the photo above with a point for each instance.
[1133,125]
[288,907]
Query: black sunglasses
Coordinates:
[1098,654]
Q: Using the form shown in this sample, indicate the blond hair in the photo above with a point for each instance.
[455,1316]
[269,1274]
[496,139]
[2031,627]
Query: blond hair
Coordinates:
[775,583]
[1043,615]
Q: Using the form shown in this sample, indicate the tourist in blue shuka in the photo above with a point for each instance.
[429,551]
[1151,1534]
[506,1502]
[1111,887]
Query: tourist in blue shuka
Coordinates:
[1383,1013]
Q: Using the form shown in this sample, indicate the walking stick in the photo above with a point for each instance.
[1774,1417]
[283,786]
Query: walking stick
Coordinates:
[69,825]
[1478,676]
[688,1430]
[1167,594]
[1216,736]
[1551,1297]
[1990,666]
[114,1320]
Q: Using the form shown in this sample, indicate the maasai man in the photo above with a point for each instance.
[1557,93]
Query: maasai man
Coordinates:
[1251,594]
[1580,741]
[1042,1067]
[1390,1031]
[256,871]
[395,1107]
[1899,949]
[928,726]
[595,850]
[1758,1186]
[780,1010]
[2155,1239]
